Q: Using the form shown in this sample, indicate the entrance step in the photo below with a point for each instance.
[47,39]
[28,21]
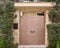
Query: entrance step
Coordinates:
[32,46]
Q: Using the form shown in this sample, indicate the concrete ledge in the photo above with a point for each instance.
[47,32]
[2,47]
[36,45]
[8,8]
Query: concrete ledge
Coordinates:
[49,4]
[32,46]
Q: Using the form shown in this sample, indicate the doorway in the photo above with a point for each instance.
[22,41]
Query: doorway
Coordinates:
[32,30]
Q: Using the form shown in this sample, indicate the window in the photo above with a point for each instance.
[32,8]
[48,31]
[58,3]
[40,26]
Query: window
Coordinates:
[40,13]
[15,16]
[15,25]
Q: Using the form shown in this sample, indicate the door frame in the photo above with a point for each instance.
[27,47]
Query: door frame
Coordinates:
[20,26]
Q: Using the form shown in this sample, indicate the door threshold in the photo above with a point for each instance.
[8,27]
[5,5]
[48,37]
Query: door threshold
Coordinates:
[32,46]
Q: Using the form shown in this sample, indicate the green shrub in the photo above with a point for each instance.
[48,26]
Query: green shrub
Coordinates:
[54,28]
[1,43]
[58,43]
[53,34]
[6,23]
[54,14]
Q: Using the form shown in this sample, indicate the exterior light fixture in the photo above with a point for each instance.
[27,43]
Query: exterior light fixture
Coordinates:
[21,13]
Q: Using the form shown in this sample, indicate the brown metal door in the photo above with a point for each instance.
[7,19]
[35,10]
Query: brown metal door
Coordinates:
[32,30]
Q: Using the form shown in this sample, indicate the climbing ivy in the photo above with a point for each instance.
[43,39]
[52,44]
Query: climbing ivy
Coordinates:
[53,34]
[54,27]
[54,14]
[6,23]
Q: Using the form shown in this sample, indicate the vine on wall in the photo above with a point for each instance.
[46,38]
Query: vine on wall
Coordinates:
[6,24]
[54,27]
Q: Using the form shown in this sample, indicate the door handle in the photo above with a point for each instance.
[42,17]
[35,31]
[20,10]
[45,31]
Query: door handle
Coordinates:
[32,31]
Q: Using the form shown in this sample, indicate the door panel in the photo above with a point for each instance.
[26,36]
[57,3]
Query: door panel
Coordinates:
[32,30]
[32,41]
[32,26]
